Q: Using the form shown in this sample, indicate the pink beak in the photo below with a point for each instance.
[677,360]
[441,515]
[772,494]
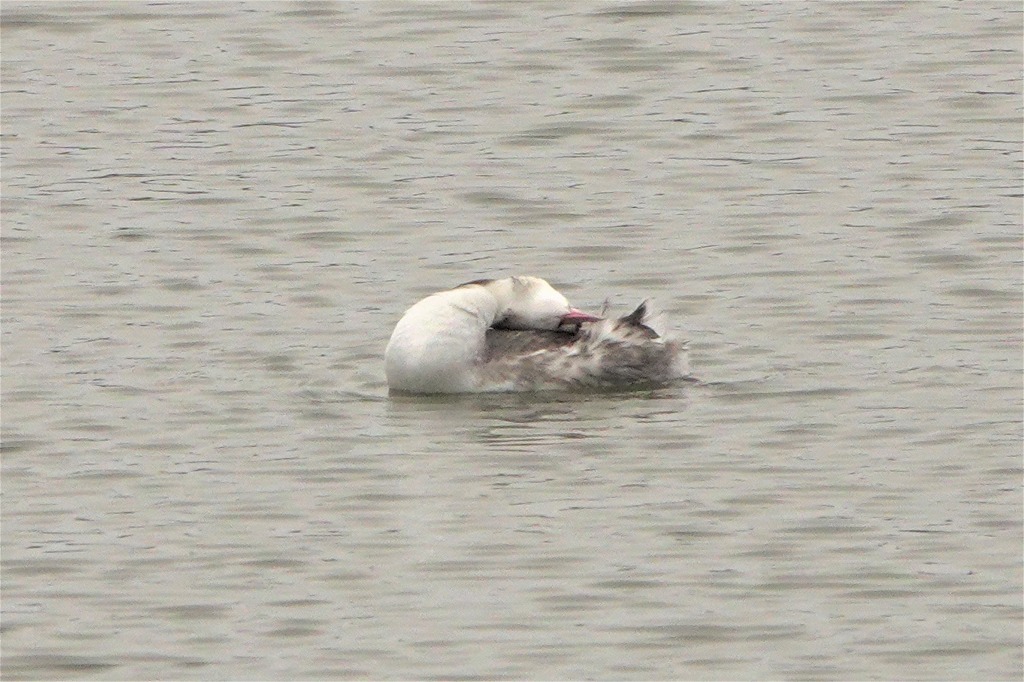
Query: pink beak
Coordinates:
[578,317]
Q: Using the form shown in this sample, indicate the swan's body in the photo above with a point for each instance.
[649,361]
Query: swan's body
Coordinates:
[520,334]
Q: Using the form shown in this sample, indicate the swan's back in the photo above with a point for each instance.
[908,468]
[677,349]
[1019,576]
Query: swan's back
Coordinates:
[606,354]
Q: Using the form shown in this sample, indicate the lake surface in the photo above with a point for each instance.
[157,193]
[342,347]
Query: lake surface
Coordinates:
[214,214]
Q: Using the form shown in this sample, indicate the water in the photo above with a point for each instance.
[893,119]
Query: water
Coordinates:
[214,214]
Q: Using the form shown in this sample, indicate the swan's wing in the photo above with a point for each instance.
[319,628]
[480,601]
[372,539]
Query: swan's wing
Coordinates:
[512,344]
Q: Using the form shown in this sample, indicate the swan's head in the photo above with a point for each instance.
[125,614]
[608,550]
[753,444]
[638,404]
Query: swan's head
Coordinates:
[532,303]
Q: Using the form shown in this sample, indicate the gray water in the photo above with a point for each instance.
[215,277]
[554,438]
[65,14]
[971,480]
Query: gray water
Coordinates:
[214,214]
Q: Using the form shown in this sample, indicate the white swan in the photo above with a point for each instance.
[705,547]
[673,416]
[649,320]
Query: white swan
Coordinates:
[520,334]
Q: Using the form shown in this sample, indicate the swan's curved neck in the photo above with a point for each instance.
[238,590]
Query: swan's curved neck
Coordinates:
[439,340]
[470,310]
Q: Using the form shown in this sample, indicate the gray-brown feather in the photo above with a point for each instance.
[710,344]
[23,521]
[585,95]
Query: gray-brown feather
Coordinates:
[607,354]
[517,342]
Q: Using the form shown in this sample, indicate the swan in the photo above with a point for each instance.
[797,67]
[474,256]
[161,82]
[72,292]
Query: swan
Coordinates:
[521,334]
